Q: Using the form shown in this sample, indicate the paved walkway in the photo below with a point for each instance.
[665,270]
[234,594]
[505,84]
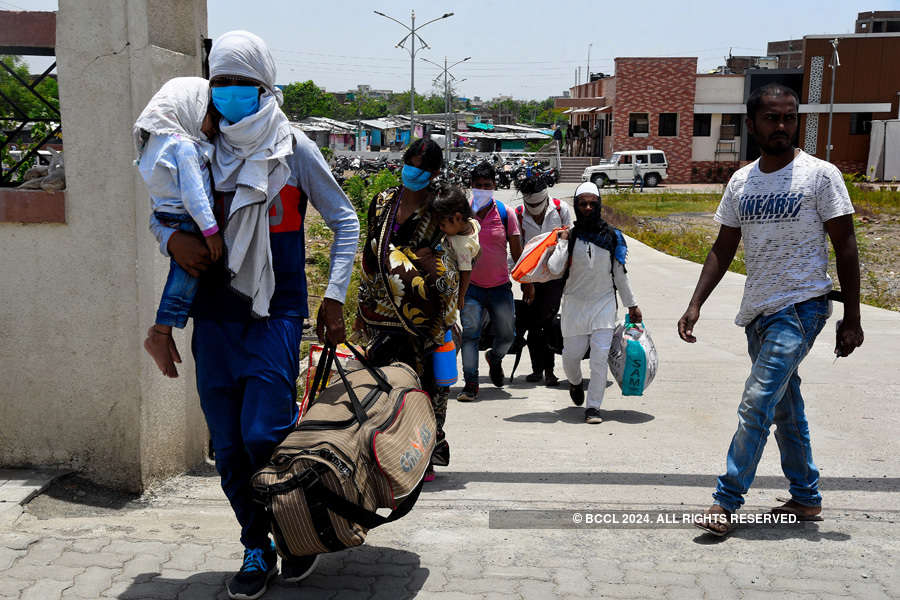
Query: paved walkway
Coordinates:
[525,447]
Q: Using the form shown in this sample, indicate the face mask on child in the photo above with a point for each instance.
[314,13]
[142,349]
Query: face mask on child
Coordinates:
[414,178]
[481,198]
[235,102]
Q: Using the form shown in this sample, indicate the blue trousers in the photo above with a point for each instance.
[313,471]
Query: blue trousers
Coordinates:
[247,379]
[180,289]
[777,344]
[499,304]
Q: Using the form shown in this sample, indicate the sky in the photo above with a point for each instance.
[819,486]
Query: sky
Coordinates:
[527,49]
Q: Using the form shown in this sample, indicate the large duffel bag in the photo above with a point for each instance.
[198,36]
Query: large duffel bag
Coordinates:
[363,444]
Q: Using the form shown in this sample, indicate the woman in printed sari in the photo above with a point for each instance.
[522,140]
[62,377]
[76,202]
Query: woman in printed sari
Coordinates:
[408,291]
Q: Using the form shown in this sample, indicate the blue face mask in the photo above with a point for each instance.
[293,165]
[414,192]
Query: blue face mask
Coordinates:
[235,102]
[414,178]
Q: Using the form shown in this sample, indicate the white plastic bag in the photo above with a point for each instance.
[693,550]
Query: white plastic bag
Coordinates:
[632,358]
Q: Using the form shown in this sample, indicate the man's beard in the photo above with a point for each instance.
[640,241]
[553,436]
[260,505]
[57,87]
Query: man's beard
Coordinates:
[779,145]
[588,222]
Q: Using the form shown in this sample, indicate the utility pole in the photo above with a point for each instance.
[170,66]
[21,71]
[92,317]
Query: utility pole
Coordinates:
[588,79]
[835,63]
[412,35]
[447,102]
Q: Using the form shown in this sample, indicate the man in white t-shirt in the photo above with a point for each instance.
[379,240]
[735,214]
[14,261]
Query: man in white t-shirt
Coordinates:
[782,206]
[539,213]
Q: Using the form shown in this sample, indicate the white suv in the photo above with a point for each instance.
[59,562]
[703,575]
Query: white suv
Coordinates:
[619,168]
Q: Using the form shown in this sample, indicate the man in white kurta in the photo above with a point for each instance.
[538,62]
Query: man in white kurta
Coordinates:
[589,299]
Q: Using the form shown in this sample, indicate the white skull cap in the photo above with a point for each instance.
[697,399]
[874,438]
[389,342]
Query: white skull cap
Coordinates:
[587,188]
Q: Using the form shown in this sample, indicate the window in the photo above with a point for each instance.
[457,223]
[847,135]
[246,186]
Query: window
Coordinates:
[641,159]
[625,159]
[731,124]
[638,125]
[702,125]
[860,123]
[658,158]
[668,124]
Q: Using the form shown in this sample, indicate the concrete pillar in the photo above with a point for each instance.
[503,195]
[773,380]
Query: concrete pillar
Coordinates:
[78,389]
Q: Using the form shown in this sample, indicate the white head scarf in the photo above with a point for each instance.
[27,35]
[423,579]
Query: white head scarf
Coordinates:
[250,160]
[179,107]
[536,203]
[587,188]
[244,54]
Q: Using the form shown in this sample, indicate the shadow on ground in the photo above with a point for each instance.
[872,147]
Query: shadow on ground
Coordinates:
[76,496]
[806,531]
[575,414]
[364,571]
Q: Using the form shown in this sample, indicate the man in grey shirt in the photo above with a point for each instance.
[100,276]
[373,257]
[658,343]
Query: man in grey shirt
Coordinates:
[783,205]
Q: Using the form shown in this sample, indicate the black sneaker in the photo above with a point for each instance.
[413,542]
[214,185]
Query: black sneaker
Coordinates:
[551,380]
[533,378]
[576,393]
[495,372]
[252,580]
[298,568]
[592,416]
[469,393]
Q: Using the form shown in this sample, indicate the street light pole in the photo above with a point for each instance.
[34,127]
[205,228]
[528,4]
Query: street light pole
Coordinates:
[412,29]
[835,63]
[447,103]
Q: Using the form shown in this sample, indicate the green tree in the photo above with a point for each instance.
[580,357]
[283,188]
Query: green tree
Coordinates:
[21,97]
[306,99]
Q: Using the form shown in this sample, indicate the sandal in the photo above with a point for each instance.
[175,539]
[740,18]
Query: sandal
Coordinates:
[725,522]
[791,507]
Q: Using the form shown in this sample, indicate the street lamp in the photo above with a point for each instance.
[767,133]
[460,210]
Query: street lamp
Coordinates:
[412,35]
[447,103]
[835,63]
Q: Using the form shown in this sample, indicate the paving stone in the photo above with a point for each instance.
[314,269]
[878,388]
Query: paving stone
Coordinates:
[89,545]
[538,573]
[660,578]
[805,586]
[629,590]
[45,589]
[572,582]
[12,587]
[453,596]
[134,548]
[531,589]
[163,590]
[352,582]
[601,570]
[17,541]
[747,576]
[140,568]
[768,595]
[186,557]
[192,576]
[869,591]
[9,556]
[480,585]
[43,552]
[427,580]
[200,591]
[677,592]
[91,583]
[35,573]
[718,586]
[378,570]
[95,559]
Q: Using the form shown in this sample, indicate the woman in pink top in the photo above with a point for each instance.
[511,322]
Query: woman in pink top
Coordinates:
[490,288]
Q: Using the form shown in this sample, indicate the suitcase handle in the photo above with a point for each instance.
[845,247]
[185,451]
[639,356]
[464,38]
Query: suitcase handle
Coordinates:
[320,381]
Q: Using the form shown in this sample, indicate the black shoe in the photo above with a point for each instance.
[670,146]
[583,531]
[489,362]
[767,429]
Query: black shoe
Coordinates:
[469,393]
[298,568]
[592,416]
[533,378]
[252,580]
[576,393]
[495,372]
[551,380]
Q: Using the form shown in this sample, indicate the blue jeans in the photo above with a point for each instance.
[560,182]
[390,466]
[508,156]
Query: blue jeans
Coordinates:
[499,304]
[777,344]
[180,289]
[247,380]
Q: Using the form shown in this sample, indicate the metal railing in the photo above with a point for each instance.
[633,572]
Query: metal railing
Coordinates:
[22,121]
